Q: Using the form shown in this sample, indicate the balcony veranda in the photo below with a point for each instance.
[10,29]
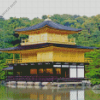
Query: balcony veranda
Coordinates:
[27,42]
[26,60]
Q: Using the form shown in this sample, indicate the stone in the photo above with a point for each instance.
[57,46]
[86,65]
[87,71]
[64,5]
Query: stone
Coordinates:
[8,83]
[21,83]
[45,87]
[11,83]
[12,86]
[21,86]
[2,82]
[96,91]
[49,83]
[37,83]
[96,87]
[30,86]
[37,87]
[54,84]
[30,83]
[44,83]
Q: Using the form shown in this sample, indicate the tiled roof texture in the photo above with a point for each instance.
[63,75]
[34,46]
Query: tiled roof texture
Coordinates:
[43,45]
[50,24]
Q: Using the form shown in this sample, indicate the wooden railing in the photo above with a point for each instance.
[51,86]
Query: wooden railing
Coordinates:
[27,42]
[24,60]
[24,40]
[28,60]
[71,40]
[87,60]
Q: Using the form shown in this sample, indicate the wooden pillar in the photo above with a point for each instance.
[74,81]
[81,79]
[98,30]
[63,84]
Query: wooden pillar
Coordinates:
[20,59]
[76,70]
[20,56]
[53,71]
[84,70]
[13,57]
[37,71]
[7,75]
[7,72]
[65,74]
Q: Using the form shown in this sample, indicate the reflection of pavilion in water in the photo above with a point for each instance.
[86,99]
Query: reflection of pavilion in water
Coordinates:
[48,94]
[71,95]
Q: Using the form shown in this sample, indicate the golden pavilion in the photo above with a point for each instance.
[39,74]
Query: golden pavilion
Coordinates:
[47,55]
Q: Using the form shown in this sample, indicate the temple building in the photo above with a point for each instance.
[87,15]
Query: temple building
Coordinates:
[47,55]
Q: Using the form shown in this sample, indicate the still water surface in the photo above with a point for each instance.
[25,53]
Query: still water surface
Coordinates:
[47,93]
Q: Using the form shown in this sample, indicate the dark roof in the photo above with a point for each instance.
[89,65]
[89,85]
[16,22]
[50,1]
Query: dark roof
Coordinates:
[8,68]
[50,24]
[42,45]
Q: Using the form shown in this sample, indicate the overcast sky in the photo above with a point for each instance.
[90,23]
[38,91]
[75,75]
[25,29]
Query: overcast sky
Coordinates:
[37,8]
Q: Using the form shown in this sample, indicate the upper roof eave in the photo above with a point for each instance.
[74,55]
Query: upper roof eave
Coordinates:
[50,24]
[48,27]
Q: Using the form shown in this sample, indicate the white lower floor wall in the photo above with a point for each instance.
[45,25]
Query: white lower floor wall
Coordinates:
[72,72]
[76,72]
[80,72]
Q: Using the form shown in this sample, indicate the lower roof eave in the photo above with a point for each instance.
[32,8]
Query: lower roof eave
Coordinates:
[44,45]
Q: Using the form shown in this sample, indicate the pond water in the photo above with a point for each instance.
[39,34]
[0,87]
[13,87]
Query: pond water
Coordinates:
[47,93]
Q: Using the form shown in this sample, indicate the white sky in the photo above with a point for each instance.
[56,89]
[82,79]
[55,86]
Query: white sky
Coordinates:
[37,8]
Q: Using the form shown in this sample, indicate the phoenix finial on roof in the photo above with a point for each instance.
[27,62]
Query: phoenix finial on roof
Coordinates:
[48,18]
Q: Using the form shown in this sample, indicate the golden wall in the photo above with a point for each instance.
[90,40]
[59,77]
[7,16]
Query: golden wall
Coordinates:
[39,57]
[57,38]
[65,56]
[68,56]
[28,57]
[45,56]
[47,38]
[36,38]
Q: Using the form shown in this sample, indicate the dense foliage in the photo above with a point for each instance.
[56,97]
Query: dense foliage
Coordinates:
[89,36]
[93,69]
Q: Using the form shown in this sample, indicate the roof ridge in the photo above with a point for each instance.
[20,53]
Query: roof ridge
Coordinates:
[49,23]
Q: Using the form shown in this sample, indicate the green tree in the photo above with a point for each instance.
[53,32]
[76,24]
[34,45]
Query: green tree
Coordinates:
[44,17]
[93,69]
[2,73]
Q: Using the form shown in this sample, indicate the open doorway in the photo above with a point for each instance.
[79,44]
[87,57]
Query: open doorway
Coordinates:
[65,72]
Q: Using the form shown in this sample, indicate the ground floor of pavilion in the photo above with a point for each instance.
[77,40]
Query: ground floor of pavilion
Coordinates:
[46,71]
